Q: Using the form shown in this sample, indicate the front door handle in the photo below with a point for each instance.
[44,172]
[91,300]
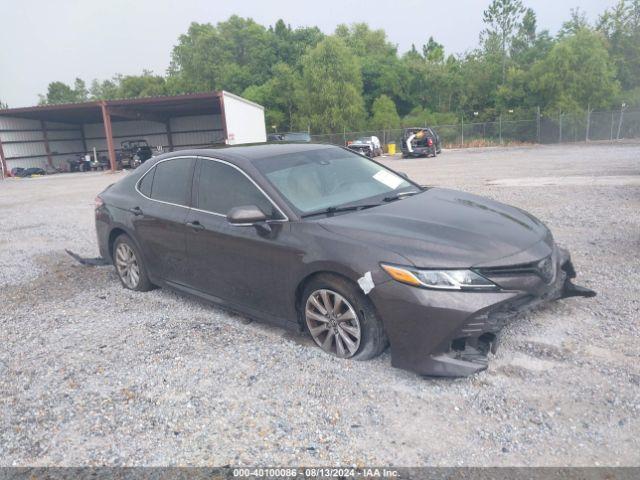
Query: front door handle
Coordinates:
[137,211]
[196,225]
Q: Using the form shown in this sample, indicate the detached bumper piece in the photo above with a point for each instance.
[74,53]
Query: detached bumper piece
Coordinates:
[571,290]
[92,262]
[479,335]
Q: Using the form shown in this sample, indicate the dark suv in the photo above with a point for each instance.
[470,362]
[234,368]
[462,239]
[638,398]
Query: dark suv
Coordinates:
[134,153]
[420,142]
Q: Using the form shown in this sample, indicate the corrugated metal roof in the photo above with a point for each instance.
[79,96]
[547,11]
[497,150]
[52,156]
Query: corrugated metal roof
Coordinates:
[87,112]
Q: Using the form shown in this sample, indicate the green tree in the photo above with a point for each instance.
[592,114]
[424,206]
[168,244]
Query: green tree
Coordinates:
[231,56]
[576,73]
[145,85]
[480,76]
[420,116]
[384,114]
[382,71]
[501,19]
[621,27]
[278,96]
[60,92]
[80,90]
[433,51]
[529,45]
[577,22]
[290,44]
[105,89]
[331,87]
[129,86]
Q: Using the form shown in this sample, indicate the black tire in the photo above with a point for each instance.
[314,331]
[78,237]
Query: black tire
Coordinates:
[143,283]
[373,339]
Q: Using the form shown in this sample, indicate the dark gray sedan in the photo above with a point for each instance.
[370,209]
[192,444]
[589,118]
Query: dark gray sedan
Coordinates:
[319,238]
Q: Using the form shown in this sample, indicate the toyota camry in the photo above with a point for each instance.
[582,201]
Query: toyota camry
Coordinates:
[320,238]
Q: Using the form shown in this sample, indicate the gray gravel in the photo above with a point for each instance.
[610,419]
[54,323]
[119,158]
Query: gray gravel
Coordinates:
[92,374]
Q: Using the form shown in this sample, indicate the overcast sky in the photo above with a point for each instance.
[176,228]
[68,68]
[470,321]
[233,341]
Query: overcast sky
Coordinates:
[42,41]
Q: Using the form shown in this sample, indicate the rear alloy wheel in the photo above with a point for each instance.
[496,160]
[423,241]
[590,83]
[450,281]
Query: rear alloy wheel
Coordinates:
[333,323]
[129,267]
[341,319]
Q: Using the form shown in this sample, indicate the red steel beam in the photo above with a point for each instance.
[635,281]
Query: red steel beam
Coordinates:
[108,133]
[3,162]
[45,137]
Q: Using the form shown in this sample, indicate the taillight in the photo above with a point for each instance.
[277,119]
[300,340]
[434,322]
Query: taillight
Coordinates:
[430,142]
[98,202]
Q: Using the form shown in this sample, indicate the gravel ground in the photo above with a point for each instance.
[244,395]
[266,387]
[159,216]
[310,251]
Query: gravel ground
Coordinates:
[92,374]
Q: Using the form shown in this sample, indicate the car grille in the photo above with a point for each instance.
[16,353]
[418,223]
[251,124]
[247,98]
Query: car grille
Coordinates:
[544,268]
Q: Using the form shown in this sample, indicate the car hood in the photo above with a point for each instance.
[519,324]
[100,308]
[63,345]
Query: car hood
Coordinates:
[442,228]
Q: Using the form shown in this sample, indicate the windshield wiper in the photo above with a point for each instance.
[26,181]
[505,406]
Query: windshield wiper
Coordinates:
[346,208]
[398,196]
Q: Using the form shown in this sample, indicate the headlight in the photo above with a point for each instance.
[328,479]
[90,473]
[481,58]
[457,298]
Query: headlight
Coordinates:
[439,279]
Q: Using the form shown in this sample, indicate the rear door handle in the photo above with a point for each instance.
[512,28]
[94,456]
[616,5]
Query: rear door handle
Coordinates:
[136,211]
[196,225]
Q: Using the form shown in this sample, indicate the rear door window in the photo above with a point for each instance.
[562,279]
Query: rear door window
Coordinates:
[172,181]
[222,187]
[145,183]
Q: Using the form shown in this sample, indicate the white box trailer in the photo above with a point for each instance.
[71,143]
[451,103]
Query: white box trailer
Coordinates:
[244,120]
[52,136]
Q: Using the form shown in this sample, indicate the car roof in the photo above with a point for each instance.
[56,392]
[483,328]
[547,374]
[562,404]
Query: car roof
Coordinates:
[242,154]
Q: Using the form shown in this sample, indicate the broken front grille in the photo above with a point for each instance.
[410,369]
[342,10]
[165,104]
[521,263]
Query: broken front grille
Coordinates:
[544,268]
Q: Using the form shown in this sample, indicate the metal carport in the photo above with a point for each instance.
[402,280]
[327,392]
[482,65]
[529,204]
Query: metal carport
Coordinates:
[31,136]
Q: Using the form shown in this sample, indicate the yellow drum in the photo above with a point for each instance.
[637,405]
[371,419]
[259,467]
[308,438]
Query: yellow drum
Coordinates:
[391,148]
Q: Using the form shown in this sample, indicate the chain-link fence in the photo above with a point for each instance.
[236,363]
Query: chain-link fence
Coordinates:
[560,128]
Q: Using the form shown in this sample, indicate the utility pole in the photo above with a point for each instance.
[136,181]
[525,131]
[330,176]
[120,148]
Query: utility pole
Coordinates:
[500,128]
[611,134]
[462,129]
[620,121]
[538,124]
[560,128]
[586,137]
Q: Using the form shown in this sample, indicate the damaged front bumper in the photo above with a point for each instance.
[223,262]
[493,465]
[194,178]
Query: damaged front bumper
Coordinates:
[450,333]
[366,150]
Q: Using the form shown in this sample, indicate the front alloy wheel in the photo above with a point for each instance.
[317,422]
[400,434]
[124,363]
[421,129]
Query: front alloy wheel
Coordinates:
[333,323]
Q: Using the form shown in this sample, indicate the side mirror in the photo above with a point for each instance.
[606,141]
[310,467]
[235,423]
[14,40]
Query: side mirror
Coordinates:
[245,215]
[402,174]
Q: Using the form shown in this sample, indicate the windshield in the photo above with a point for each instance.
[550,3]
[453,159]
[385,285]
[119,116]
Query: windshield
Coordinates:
[319,179]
